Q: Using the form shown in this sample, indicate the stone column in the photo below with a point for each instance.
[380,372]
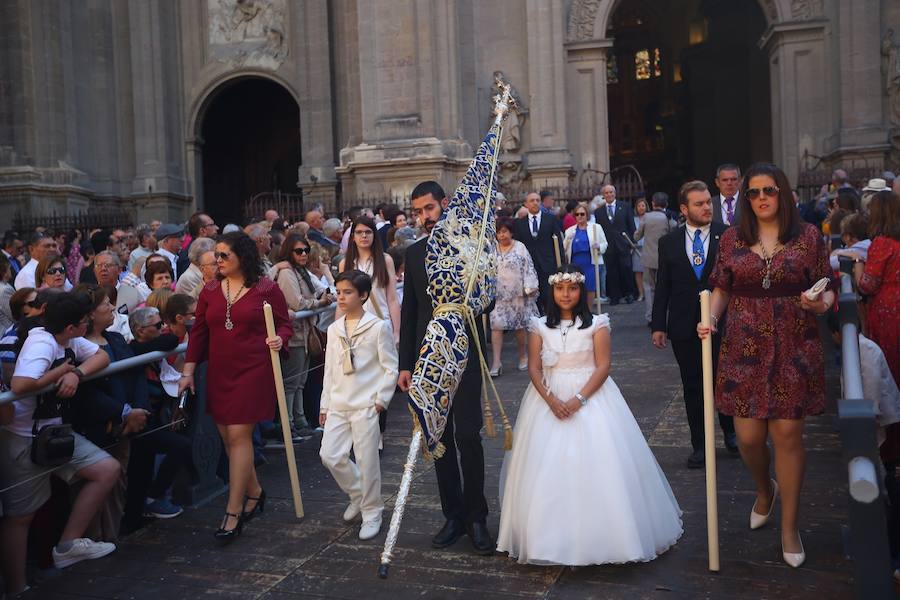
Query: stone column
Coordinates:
[548,160]
[588,121]
[800,92]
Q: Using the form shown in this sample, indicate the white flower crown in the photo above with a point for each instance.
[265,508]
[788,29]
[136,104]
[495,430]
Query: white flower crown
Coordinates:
[566,277]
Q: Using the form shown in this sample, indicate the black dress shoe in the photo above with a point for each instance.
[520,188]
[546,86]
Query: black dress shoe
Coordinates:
[629,299]
[613,302]
[452,530]
[228,535]
[697,460]
[258,508]
[481,538]
[731,443]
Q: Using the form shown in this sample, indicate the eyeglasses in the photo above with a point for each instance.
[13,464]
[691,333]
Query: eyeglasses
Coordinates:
[56,271]
[580,214]
[222,255]
[301,251]
[158,325]
[363,232]
[770,190]
[33,304]
[105,266]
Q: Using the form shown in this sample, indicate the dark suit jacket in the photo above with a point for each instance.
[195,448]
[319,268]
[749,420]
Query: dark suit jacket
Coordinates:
[415,313]
[541,248]
[182,263]
[14,266]
[676,302]
[717,208]
[623,222]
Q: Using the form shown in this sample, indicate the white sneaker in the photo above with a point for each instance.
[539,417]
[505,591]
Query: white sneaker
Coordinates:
[370,529]
[352,512]
[82,549]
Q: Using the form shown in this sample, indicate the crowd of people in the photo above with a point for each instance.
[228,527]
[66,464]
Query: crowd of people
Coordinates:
[73,302]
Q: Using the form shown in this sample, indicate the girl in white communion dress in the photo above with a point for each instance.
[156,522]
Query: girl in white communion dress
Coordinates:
[580,486]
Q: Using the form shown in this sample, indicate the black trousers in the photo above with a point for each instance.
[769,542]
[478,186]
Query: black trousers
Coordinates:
[544,292]
[619,276]
[460,471]
[688,353]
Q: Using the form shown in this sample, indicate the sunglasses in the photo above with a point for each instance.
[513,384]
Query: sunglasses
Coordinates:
[33,304]
[301,251]
[56,271]
[222,255]
[770,190]
[580,214]
[158,325]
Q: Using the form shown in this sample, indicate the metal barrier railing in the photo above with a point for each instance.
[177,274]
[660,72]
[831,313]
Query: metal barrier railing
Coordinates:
[866,537]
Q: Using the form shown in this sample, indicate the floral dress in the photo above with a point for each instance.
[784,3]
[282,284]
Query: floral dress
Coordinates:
[771,365]
[515,273]
[881,281]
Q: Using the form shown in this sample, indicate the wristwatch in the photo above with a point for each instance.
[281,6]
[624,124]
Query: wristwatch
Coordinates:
[78,373]
[581,398]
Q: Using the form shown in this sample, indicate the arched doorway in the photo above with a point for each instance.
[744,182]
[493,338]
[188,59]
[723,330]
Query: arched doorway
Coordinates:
[251,144]
[687,88]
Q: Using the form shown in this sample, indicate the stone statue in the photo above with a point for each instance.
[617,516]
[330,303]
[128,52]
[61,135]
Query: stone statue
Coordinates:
[248,32]
[515,119]
[890,66]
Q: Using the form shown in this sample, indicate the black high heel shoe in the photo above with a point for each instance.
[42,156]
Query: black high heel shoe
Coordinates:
[227,535]
[246,517]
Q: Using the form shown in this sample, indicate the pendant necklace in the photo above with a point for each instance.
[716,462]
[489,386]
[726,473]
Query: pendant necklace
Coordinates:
[564,332]
[229,324]
[767,276]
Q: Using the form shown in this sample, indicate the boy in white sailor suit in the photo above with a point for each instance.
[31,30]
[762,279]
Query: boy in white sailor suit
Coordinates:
[360,377]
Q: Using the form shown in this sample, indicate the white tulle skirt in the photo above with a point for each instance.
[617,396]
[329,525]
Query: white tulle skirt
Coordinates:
[585,490]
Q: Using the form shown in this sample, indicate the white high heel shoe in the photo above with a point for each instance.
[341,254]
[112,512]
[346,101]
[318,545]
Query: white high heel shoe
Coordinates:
[757,520]
[794,559]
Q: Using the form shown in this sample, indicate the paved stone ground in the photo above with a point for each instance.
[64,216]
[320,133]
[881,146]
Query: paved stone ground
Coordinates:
[320,557]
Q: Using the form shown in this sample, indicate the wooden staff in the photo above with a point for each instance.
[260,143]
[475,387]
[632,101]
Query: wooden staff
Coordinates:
[556,251]
[709,443]
[282,410]
[596,253]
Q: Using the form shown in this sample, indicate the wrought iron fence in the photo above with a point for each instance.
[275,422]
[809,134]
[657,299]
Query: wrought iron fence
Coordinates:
[289,206]
[85,222]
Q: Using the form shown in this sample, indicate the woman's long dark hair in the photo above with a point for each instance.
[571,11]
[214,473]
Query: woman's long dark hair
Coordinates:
[379,265]
[580,310]
[287,253]
[884,215]
[243,246]
[788,215]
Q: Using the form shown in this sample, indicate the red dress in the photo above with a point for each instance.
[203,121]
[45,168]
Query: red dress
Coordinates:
[240,386]
[771,365]
[881,281]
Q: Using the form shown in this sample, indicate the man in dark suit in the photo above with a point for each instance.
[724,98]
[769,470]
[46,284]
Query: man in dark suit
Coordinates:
[617,220]
[537,231]
[725,203]
[462,493]
[686,258]
[12,249]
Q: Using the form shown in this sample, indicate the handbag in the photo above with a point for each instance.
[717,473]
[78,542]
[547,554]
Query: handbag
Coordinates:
[51,445]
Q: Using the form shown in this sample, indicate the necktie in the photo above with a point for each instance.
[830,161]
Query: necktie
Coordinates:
[610,212]
[697,259]
[534,226]
[729,210]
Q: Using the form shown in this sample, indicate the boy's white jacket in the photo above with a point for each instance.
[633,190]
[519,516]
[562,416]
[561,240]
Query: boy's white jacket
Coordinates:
[375,362]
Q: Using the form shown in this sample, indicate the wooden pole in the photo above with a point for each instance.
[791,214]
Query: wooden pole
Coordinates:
[282,410]
[596,253]
[709,440]
[556,251]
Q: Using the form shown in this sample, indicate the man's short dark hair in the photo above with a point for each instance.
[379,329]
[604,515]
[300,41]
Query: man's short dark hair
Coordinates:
[64,309]
[546,194]
[428,187]
[195,223]
[100,240]
[35,237]
[178,304]
[9,239]
[354,212]
[361,282]
[660,200]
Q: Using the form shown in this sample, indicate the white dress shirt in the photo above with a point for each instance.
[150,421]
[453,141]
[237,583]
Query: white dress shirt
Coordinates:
[722,199]
[607,205]
[173,259]
[531,219]
[689,241]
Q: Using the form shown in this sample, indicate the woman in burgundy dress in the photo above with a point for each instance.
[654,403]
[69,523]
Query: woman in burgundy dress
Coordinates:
[771,367]
[230,332]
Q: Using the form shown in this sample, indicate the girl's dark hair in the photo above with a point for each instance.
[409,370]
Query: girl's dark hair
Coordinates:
[17,302]
[581,310]
[379,265]
[506,223]
[67,308]
[243,246]
[178,304]
[884,215]
[287,254]
[788,215]
[97,295]
[392,216]
[154,269]
[41,269]
[361,282]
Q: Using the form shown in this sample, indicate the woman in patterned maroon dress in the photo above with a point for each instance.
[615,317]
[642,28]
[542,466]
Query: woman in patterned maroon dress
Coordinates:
[771,366]
[230,332]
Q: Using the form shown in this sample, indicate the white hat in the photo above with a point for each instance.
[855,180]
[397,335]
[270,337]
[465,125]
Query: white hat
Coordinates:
[876,184]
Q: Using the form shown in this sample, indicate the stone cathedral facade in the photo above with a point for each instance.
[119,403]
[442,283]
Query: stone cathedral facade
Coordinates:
[165,106]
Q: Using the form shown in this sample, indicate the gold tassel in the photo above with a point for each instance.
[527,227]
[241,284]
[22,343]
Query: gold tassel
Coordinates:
[507,438]
[489,428]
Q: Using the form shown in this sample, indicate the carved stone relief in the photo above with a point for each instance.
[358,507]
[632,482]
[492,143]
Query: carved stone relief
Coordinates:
[890,68]
[511,172]
[248,32]
[582,16]
[806,9]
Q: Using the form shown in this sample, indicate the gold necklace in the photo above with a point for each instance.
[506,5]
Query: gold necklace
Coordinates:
[229,324]
[767,258]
